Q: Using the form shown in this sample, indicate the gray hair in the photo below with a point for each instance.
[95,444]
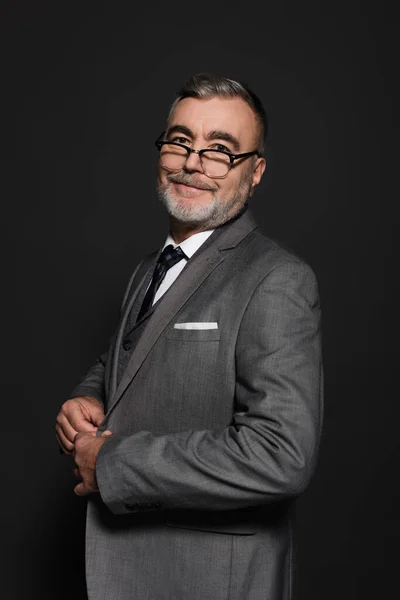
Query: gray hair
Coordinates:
[207,85]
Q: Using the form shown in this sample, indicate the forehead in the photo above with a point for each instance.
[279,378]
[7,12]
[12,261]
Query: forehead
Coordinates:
[232,115]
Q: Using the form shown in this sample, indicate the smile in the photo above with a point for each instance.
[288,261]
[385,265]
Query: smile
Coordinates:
[183,188]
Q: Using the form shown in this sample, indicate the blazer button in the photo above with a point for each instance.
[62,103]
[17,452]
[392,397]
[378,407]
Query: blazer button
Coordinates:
[127,345]
[132,507]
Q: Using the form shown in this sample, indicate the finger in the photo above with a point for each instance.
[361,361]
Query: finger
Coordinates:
[93,411]
[79,423]
[82,489]
[65,445]
[97,415]
[76,474]
[61,447]
[66,427]
[106,433]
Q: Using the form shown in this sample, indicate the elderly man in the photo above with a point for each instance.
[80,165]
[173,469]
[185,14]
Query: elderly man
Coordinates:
[198,428]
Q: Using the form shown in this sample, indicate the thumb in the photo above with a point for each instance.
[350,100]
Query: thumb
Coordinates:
[79,489]
[96,415]
[106,433]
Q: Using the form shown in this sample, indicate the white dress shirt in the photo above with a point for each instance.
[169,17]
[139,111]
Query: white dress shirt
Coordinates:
[189,247]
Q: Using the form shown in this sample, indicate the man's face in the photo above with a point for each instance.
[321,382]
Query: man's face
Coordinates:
[189,195]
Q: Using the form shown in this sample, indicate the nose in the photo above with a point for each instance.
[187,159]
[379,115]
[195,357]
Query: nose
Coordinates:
[193,163]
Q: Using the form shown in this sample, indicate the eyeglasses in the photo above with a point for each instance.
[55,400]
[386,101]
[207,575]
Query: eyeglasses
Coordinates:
[215,163]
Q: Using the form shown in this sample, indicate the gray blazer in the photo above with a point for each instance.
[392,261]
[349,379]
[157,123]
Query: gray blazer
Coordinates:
[216,429]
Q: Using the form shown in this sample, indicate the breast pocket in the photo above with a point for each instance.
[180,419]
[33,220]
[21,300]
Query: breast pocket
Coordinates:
[193,335]
[191,360]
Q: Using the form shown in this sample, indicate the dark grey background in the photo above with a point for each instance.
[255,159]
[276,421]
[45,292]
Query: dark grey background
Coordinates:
[85,91]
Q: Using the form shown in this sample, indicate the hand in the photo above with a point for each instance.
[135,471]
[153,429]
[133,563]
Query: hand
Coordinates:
[77,415]
[87,447]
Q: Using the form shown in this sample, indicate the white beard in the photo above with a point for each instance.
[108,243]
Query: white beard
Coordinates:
[209,214]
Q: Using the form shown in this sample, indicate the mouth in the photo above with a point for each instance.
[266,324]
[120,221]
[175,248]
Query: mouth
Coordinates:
[191,186]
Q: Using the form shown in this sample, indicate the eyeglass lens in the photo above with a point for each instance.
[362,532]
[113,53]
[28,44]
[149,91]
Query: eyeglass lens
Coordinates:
[215,164]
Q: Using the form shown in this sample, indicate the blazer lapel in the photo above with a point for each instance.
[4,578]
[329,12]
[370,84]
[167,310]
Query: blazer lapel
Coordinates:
[193,275]
[136,288]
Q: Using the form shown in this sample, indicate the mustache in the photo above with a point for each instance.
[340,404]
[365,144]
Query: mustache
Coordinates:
[186,179]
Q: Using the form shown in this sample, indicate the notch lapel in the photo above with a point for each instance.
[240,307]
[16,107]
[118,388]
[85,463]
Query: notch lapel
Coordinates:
[136,287]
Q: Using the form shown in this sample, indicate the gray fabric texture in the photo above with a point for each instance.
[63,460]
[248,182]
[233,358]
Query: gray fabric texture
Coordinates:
[215,431]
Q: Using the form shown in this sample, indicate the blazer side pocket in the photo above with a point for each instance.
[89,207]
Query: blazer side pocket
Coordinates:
[240,529]
[231,522]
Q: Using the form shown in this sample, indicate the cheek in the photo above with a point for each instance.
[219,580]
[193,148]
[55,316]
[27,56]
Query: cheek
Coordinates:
[231,185]
[161,175]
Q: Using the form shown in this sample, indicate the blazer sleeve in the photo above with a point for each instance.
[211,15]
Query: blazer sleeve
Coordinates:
[269,451]
[93,382]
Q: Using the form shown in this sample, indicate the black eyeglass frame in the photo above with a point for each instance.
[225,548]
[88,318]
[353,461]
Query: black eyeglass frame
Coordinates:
[232,157]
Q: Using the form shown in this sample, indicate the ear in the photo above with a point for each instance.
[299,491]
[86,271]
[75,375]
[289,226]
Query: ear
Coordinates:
[259,168]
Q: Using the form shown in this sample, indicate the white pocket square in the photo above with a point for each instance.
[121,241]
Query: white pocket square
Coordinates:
[202,325]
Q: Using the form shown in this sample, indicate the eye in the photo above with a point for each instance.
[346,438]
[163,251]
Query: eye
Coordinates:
[180,140]
[220,147]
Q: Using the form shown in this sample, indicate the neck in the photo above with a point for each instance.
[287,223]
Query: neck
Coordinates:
[181,231]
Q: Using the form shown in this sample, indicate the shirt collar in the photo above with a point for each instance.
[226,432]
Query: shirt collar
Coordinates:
[191,244]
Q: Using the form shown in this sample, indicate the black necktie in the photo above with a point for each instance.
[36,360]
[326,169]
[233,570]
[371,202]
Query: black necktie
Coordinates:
[167,259]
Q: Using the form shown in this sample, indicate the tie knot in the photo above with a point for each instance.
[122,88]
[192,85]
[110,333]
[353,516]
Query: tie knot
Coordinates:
[170,256]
